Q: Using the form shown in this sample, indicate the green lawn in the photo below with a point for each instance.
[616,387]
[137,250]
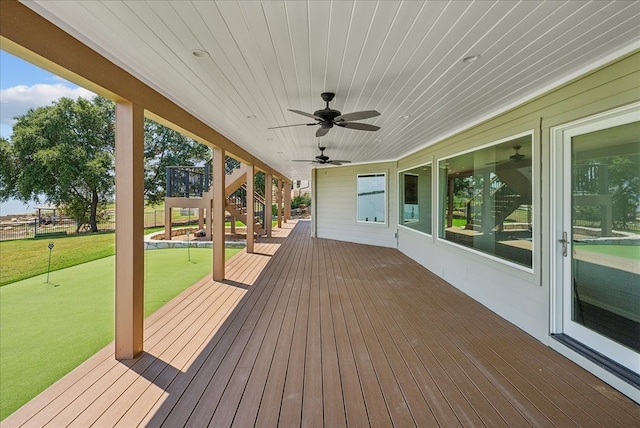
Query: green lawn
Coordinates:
[631,252]
[459,222]
[25,258]
[49,329]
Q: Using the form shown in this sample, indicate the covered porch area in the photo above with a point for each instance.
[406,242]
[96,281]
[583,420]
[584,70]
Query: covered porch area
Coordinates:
[318,332]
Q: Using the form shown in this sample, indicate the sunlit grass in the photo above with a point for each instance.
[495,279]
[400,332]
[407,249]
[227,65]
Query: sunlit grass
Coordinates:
[25,258]
[631,252]
[48,329]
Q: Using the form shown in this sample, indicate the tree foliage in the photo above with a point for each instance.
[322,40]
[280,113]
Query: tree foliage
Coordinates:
[165,147]
[7,169]
[259,183]
[624,182]
[64,153]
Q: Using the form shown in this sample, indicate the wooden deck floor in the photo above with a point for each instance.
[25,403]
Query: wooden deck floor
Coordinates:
[315,332]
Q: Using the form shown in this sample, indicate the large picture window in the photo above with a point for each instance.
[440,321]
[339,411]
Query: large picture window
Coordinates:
[415,198]
[486,200]
[372,198]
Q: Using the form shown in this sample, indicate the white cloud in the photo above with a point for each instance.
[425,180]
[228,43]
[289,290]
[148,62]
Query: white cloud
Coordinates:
[17,100]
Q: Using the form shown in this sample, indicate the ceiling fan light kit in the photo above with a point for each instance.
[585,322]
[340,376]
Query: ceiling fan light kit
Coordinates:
[327,118]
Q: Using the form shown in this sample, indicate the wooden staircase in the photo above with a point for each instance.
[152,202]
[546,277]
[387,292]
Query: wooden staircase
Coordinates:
[503,202]
[197,178]
[238,210]
[236,198]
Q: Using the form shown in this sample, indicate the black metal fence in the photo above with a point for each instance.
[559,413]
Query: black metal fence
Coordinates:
[31,228]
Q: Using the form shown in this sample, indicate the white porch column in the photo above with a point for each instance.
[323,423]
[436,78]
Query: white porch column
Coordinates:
[250,207]
[279,202]
[217,214]
[129,276]
[268,198]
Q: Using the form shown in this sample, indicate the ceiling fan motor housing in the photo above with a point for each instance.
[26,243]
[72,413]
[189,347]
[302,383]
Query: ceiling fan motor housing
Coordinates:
[322,158]
[327,116]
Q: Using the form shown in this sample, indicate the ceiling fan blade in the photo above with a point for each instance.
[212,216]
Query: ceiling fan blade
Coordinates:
[496,163]
[289,126]
[358,126]
[302,160]
[337,162]
[305,114]
[321,132]
[358,115]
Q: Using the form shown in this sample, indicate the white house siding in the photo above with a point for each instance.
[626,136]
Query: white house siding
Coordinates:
[519,295]
[335,196]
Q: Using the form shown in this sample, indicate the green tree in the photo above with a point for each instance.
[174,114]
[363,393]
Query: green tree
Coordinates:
[258,183]
[64,153]
[165,147]
[7,169]
[624,183]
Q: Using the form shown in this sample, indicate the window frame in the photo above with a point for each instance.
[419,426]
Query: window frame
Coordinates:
[440,214]
[386,198]
[401,199]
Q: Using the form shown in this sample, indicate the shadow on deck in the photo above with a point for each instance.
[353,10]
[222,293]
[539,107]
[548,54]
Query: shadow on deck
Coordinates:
[319,332]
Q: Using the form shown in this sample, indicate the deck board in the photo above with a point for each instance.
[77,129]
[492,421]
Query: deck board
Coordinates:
[316,332]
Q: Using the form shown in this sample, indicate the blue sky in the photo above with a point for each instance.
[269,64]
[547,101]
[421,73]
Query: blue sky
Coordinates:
[24,86]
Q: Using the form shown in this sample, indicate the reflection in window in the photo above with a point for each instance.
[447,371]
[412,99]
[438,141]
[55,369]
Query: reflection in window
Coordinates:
[486,200]
[372,198]
[605,166]
[415,202]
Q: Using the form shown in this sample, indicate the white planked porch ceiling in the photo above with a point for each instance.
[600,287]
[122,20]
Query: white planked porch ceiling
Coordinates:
[401,58]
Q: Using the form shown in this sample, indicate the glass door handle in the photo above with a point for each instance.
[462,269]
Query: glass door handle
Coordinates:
[565,244]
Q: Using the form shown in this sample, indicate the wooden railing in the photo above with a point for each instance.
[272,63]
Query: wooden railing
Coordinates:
[195,181]
[239,200]
[188,181]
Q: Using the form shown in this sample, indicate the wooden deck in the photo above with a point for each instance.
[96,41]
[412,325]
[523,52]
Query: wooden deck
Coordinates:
[316,332]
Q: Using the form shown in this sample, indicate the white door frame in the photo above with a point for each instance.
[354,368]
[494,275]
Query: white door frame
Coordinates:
[561,273]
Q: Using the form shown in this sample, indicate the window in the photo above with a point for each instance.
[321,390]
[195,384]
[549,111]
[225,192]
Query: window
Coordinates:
[372,198]
[486,200]
[415,198]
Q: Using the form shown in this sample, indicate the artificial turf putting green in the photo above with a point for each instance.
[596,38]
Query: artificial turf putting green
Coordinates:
[631,252]
[48,329]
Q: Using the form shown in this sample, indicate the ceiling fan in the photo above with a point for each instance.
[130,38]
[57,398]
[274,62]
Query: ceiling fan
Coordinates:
[322,159]
[327,118]
[514,158]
